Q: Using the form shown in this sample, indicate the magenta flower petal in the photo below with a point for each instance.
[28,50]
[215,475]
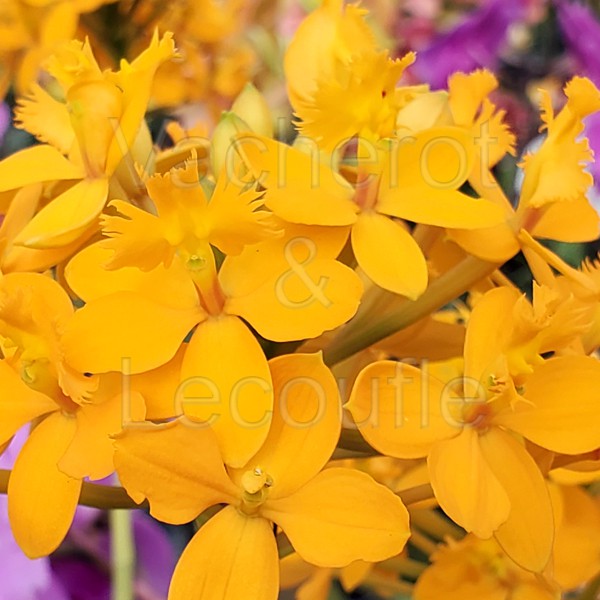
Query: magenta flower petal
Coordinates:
[83,578]
[86,557]
[473,44]
[581,33]
[156,556]
[4,119]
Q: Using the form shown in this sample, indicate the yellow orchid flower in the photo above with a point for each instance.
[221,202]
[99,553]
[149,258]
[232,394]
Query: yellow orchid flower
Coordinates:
[589,296]
[98,126]
[416,179]
[73,414]
[362,101]
[31,31]
[339,83]
[480,567]
[186,222]
[327,515]
[482,476]
[475,568]
[334,32]
[218,59]
[162,282]
[466,104]
[472,109]
[552,203]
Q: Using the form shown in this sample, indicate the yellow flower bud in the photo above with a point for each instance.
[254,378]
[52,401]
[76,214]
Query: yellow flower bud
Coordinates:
[222,144]
[252,108]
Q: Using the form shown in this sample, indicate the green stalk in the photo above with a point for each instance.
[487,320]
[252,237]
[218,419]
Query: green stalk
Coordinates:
[355,337]
[122,555]
[92,494]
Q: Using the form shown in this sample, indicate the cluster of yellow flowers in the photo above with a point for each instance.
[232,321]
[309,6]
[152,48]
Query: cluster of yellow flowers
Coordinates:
[215,58]
[238,326]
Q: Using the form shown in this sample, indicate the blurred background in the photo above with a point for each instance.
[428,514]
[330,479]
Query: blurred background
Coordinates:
[529,44]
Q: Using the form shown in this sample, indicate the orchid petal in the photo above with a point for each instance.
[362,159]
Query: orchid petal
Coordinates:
[231,557]
[66,217]
[528,532]
[178,468]
[126,331]
[465,485]
[399,409]
[41,498]
[331,521]
[234,396]
[563,409]
[389,255]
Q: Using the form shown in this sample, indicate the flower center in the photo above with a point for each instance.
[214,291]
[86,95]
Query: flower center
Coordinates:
[255,485]
[478,416]
[39,376]
[497,393]
[367,189]
[201,266]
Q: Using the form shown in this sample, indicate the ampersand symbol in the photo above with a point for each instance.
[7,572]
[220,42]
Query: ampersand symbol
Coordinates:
[316,291]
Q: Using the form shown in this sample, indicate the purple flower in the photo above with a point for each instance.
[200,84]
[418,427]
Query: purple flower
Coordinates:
[592,133]
[581,33]
[82,564]
[473,44]
[4,119]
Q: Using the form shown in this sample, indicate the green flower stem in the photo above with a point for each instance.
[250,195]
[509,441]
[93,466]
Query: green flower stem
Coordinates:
[284,546]
[107,497]
[122,555]
[355,338]
[92,494]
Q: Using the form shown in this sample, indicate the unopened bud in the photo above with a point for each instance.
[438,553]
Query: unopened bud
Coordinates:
[222,151]
[252,108]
